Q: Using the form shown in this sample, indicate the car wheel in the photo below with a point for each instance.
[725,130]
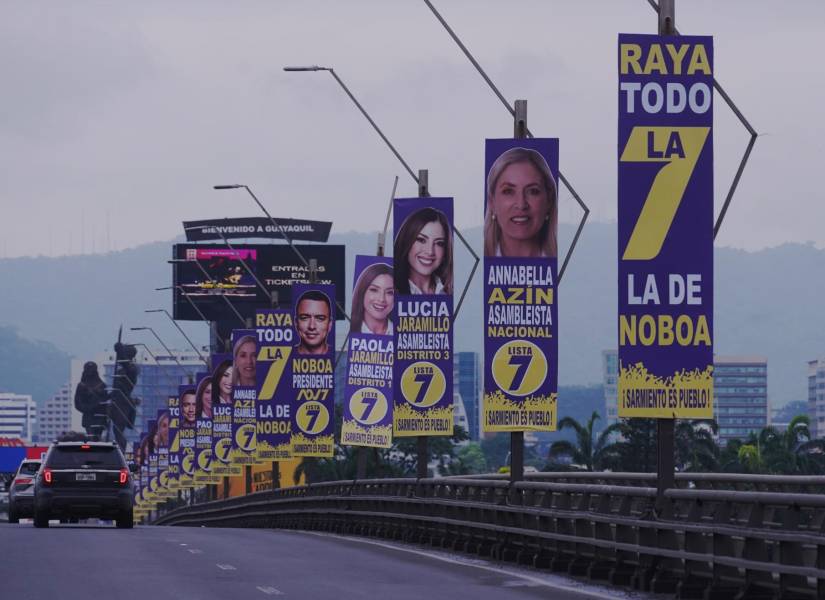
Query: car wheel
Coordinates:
[41,519]
[13,518]
[125,520]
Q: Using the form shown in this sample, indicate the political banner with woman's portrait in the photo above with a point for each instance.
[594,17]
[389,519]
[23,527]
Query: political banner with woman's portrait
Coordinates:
[313,378]
[162,448]
[173,472]
[423,272]
[520,292]
[368,393]
[244,394]
[222,440]
[276,337]
[204,474]
[665,222]
[187,432]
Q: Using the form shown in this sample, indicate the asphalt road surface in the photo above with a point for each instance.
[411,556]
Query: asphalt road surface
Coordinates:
[181,563]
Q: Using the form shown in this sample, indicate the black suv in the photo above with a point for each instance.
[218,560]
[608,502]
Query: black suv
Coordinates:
[83,480]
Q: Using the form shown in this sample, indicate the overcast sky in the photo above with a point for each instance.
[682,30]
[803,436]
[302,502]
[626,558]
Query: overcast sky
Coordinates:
[127,113]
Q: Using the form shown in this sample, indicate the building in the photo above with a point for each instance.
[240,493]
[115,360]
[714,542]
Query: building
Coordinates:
[18,416]
[160,376]
[55,418]
[740,390]
[740,396]
[467,383]
[610,376]
[816,396]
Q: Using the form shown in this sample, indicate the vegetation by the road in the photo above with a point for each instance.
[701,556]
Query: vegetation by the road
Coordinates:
[628,446]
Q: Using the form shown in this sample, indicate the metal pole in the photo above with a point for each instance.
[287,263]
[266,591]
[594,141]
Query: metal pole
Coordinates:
[512,111]
[423,454]
[517,437]
[665,428]
[165,347]
[182,332]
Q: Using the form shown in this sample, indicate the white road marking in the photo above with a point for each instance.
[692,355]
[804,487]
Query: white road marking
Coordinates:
[225,567]
[536,581]
[195,551]
[184,544]
[270,590]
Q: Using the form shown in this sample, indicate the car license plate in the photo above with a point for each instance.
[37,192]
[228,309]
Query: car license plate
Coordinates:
[85,477]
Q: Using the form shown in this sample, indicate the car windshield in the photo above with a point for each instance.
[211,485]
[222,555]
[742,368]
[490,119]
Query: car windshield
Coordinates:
[29,468]
[73,457]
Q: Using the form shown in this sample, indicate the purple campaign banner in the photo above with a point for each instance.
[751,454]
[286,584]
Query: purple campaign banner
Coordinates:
[244,393]
[520,293]
[187,430]
[162,449]
[174,442]
[423,368]
[368,393]
[313,380]
[276,337]
[665,214]
[222,416]
[203,426]
[153,459]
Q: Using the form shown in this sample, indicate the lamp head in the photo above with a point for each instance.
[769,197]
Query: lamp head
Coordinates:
[232,186]
[310,68]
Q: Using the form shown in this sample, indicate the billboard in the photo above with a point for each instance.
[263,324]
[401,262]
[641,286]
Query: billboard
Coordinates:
[665,219]
[257,227]
[423,326]
[205,272]
[370,353]
[521,346]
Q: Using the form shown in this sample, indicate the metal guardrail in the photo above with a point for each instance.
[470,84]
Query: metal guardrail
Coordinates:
[712,481]
[695,543]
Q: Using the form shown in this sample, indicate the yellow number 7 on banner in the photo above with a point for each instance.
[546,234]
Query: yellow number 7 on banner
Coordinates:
[678,146]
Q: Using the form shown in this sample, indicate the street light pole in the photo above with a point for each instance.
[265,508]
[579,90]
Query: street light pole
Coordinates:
[332,72]
[666,428]
[165,347]
[417,178]
[183,333]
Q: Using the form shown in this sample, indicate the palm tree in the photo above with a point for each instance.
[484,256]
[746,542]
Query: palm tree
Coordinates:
[586,451]
[695,445]
[787,452]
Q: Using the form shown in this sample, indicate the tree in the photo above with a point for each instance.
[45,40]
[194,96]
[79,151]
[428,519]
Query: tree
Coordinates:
[469,461]
[788,452]
[695,446]
[586,451]
[636,449]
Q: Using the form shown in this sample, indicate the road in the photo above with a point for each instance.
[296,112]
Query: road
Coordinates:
[86,561]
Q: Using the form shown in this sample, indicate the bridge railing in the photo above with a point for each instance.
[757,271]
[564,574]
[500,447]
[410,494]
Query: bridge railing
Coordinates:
[693,541]
[814,484]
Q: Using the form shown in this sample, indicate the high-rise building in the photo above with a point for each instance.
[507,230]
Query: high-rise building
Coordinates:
[467,383]
[159,377]
[740,395]
[55,417]
[18,416]
[816,396]
[610,376]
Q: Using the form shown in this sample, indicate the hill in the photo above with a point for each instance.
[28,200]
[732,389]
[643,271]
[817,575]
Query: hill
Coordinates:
[767,303]
[27,367]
